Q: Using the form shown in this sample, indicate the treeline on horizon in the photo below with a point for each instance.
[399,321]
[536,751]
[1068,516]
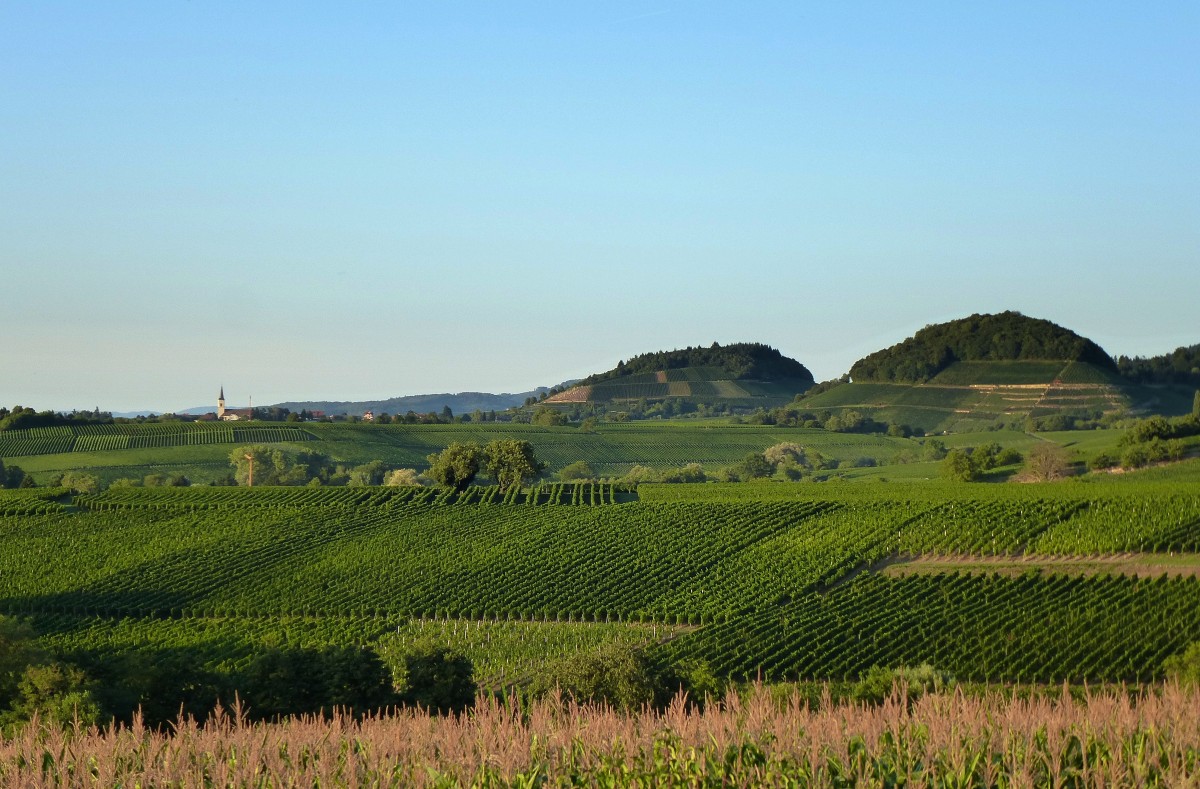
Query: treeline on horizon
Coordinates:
[1180,367]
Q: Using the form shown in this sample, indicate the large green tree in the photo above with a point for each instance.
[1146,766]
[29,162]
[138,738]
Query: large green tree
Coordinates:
[367,474]
[511,462]
[277,466]
[959,466]
[457,465]
[615,674]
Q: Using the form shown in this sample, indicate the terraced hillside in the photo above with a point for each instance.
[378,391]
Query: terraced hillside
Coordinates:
[970,396]
[973,373]
[698,384]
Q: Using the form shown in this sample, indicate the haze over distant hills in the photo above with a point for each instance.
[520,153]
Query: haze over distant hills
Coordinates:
[460,403]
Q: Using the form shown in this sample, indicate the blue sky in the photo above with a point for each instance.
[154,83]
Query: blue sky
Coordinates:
[352,201]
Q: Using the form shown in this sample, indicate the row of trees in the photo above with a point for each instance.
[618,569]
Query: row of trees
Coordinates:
[23,418]
[1152,440]
[1180,366]
[161,684]
[786,461]
[844,421]
[274,465]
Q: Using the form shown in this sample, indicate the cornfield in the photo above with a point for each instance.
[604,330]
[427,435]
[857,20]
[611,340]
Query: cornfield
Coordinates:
[1107,738]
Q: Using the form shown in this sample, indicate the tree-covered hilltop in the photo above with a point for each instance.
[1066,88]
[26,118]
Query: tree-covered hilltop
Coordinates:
[747,361]
[1009,336]
[1182,366]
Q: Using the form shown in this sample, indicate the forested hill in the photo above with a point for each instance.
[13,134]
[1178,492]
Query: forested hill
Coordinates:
[747,361]
[1009,336]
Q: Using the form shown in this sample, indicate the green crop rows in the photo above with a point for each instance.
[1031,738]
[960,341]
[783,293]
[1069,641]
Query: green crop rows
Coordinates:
[35,501]
[93,438]
[774,578]
[982,527]
[502,651]
[237,498]
[978,628]
[1000,373]
[1163,523]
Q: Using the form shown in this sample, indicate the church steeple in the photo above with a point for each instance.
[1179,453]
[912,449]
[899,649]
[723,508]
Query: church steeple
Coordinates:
[221,403]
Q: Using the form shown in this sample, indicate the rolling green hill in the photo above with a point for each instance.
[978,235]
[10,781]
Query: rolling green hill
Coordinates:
[1006,337]
[983,371]
[745,375]
[969,396]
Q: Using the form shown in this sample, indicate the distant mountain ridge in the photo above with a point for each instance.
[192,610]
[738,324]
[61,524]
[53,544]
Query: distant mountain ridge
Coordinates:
[460,403]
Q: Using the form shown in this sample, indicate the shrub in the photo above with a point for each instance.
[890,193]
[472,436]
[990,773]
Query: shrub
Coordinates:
[1184,667]
[1009,457]
[579,470]
[878,684]
[1047,462]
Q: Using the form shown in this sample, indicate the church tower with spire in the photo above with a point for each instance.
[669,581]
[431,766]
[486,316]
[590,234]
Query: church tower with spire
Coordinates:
[221,403]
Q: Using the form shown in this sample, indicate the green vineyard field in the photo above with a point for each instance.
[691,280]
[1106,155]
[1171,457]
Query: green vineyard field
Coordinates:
[93,438]
[981,628]
[503,651]
[775,579]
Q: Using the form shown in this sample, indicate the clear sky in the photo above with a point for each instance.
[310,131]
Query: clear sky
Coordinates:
[361,200]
